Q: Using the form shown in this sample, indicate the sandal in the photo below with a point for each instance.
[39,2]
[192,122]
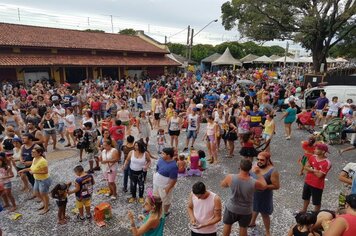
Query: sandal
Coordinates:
[43,212]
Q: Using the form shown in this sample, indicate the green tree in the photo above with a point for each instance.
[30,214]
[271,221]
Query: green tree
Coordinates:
[346,48]
[201,51]
[94,31]
[177,48]
[236,49]
[128,31]
[317,24]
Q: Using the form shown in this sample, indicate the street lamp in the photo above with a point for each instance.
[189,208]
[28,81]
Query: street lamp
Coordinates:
[193,35]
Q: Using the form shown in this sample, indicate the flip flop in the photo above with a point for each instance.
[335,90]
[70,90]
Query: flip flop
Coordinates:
[41,208]
[16,216]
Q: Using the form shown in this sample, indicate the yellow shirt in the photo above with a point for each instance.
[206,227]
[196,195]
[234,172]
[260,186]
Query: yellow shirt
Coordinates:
[169,113]
[39,165]
[268,127]
[153,104]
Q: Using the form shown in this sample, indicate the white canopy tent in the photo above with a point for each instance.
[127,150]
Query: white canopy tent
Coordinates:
[341,60]
[288,60]
[263,59]
[226,59]
[305,60]
[248,58]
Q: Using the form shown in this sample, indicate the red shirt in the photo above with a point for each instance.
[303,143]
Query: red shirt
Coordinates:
[95,106]
[161,90]
[308,150]
[324,166]
[117,132]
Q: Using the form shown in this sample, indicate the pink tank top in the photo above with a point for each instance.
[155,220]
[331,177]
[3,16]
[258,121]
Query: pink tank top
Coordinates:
[204,211]
[351,219]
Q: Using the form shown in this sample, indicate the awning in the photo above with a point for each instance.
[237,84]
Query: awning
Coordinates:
[83,60]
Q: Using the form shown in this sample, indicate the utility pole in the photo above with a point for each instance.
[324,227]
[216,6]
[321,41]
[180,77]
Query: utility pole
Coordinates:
[165,40]
[188,40]
[191,45]
[88,21]
[285,54]
[18,14]
[112,24]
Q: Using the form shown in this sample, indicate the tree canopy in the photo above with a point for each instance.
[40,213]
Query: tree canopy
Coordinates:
[238,50]
[317,25]
[128,31]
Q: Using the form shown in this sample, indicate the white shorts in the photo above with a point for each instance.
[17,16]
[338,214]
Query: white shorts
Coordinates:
[332,113]
[160,192]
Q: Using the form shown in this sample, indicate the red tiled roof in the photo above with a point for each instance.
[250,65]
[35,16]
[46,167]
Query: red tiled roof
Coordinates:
[78,60]
[34,36]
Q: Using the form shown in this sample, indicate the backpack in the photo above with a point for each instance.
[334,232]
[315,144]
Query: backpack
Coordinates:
[7,144]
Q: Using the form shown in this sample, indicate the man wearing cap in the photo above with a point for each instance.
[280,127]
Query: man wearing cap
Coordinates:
[344,224]
[317,167]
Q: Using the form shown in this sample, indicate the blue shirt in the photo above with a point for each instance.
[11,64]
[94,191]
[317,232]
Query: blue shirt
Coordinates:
[353,187]
[167,169]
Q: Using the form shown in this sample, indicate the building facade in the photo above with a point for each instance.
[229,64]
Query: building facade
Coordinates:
[30,53]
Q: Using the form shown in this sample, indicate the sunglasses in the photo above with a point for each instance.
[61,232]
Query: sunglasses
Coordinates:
[261,159]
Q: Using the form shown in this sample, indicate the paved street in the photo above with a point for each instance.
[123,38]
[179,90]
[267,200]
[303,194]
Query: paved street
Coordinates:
[287,200]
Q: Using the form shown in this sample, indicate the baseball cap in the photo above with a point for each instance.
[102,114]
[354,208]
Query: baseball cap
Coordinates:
[16,139]
[322,147]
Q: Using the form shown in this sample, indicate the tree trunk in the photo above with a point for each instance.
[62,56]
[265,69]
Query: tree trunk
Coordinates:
[319,57]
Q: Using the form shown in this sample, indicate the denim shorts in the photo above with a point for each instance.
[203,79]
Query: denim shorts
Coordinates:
[60,127]
[7,185]
[42,186]
[191,134]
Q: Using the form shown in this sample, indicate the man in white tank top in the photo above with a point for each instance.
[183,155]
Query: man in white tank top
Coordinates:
[204,210]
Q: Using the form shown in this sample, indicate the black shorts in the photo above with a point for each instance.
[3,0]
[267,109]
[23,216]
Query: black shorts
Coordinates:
[315,193]
[61,203]
[157,116]
[230,218]
[174,133]
[198,234]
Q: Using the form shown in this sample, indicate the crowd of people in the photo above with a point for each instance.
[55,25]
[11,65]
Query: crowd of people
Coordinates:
[111,123]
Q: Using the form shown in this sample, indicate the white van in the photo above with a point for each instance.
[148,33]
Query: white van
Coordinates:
[343,92]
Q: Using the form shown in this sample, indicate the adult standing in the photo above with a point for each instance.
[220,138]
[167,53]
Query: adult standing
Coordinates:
[204,210]
[49,129]
[174,124]
[58,115]
[117,132]
[143,126]
[193,128]
[109,159]
[126,149]
[289,117]
[212,132]
[26,159]
[239,206]
[165,178]
[263,200]
[348,176]
[39,170]
[138,160]
[125,116]
[69,123]
[320,105]
[317,168]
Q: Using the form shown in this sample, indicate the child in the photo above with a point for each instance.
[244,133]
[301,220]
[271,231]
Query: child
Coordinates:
[309,148]
[182,166]
[305,222]
[334,107]
[248,149]
[83,191]
[5,180]
[194,164]
[202,160]
[59,192]
[161,140]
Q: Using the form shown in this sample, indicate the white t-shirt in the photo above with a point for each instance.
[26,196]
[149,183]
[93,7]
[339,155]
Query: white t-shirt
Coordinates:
[107,156]
[193,122]
[140,99]
[334,106]
[69,118]
[61,113]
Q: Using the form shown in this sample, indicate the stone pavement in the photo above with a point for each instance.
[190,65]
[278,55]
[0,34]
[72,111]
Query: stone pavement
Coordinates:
[287,200]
